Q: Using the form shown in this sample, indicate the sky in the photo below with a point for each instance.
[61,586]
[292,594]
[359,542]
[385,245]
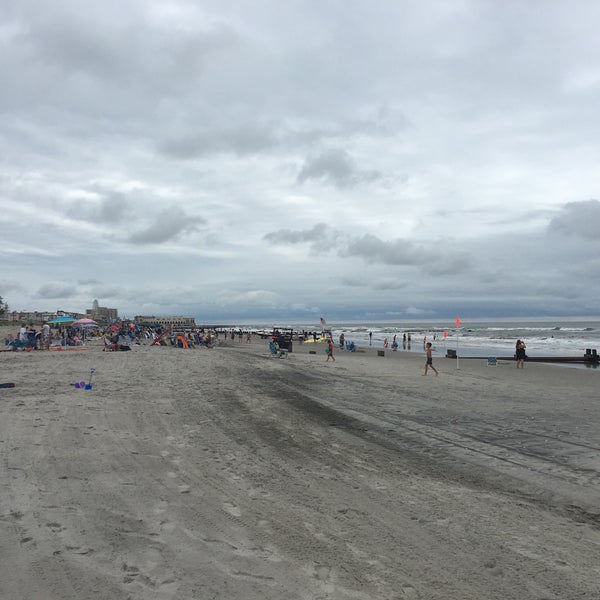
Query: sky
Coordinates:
[281,161]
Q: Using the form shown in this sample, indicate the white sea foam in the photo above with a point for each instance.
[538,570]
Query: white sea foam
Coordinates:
[543,336]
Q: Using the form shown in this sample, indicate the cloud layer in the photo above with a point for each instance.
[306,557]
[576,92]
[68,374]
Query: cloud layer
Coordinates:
[272,161]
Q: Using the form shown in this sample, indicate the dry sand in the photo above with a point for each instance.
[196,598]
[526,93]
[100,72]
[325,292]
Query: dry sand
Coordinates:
[225,473]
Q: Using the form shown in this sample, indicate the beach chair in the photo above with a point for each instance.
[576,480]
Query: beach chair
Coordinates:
[276,351]
[159,340]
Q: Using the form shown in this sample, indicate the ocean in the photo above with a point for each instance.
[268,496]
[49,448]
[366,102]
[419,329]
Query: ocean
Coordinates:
[543,336]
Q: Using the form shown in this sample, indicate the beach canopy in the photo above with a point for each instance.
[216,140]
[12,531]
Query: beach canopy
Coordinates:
[62,320]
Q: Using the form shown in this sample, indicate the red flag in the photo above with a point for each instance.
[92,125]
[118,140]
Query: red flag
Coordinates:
[457,321]
[323,321]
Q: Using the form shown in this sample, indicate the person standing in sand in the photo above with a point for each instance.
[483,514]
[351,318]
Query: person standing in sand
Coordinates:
[429,361]
[330,350]
[46,337]
[520,353]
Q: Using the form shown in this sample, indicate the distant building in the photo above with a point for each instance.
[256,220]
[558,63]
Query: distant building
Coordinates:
[36,316]
[166,321]
[30,316]
[101,313]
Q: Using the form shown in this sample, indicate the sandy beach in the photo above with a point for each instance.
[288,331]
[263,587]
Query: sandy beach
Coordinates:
[226,473]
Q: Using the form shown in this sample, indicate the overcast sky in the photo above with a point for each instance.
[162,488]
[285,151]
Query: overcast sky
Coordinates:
[266,159]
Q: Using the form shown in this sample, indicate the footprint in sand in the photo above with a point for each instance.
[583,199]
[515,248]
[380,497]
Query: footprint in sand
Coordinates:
[323,573]
[408,591]
[232,509]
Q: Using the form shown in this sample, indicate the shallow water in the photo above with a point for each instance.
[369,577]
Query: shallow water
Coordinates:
[543,336]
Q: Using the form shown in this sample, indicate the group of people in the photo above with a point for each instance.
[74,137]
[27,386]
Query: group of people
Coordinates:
[520,354]
[29,338]
[406,339]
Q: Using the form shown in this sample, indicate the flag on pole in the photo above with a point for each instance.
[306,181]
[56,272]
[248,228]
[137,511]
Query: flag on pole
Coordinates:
[323,321]
[458,321]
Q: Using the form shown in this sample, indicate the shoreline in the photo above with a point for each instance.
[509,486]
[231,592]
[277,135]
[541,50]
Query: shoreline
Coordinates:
[481,352]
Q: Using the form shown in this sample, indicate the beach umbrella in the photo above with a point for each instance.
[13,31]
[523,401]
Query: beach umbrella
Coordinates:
[86,323]
[62,320]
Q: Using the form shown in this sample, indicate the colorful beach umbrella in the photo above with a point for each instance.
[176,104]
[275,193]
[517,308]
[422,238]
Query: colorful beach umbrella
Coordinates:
[62,320]
[86,322]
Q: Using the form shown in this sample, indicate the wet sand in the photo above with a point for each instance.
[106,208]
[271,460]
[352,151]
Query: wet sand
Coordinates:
[226,473]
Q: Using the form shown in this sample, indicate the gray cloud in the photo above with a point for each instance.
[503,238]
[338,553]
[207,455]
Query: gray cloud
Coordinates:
[92,49]
[579,219]
[374,250]
[404,253]
[112,209]
[320,239]
[88,281]
[335,166]
[287,236]
[168,225]
[106,292]
[257,136]
[109,209]
[7,287]
[52,291]
[242,141]
[397,252]
[448,263]
[389,283]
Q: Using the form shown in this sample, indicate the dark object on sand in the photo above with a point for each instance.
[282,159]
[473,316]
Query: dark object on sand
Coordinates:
[7,385]
[283,337]
[591,357]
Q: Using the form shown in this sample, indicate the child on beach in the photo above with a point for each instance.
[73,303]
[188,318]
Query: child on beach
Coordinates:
[330,350]
[429,361]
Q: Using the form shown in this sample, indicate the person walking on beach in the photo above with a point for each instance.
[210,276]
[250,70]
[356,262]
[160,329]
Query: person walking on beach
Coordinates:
[520,353]
[330,350]
[429,361]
